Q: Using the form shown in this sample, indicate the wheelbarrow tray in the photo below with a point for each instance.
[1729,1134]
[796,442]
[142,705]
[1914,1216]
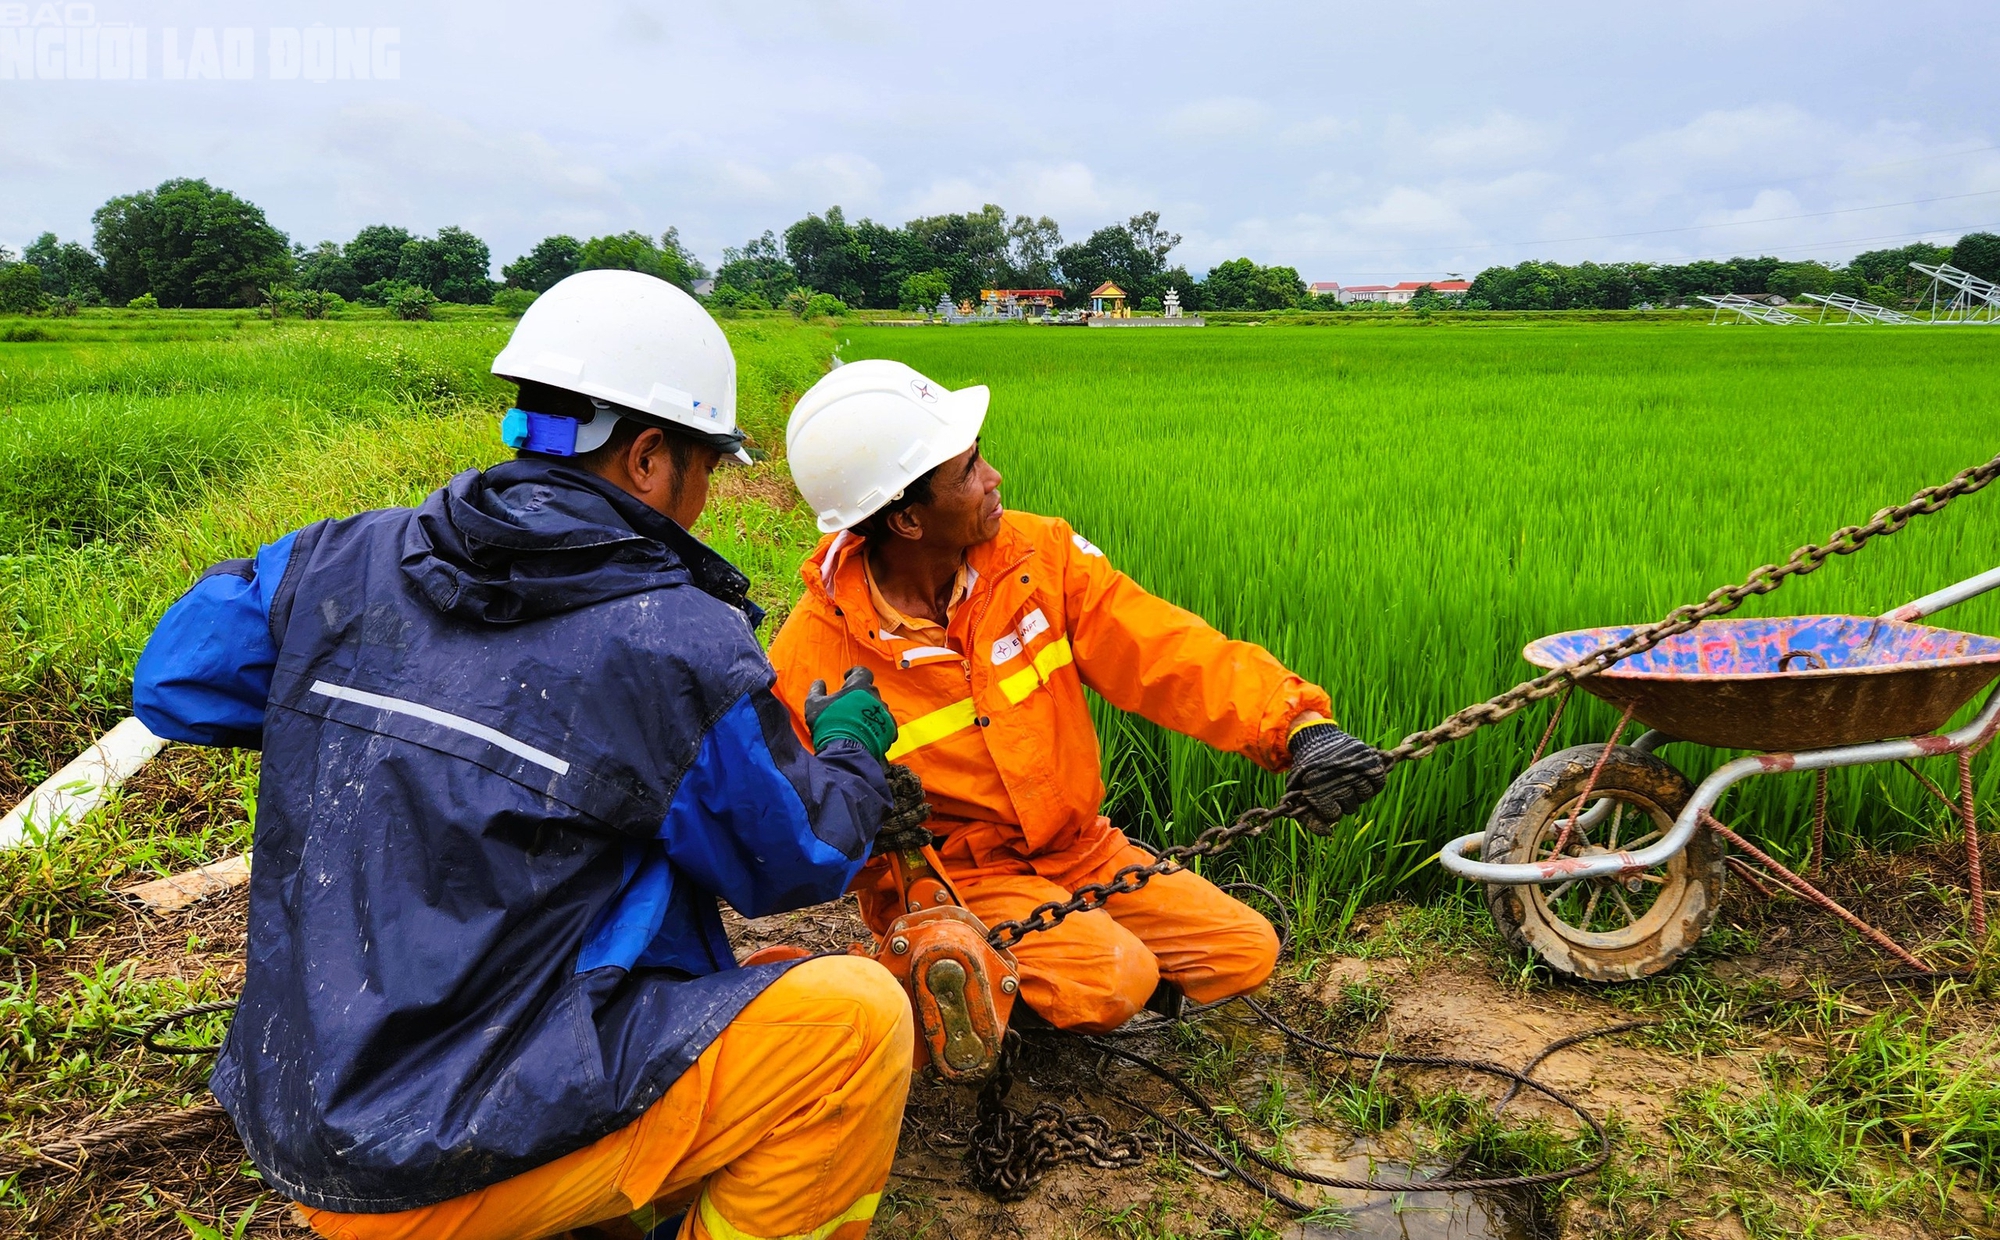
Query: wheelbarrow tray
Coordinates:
[1719,684]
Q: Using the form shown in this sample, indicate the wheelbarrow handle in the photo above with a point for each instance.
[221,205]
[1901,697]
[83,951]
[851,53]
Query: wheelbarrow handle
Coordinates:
[1950,596]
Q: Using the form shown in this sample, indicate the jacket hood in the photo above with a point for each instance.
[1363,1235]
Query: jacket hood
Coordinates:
[532,538]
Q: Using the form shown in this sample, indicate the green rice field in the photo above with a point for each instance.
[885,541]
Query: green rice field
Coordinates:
[1396,512]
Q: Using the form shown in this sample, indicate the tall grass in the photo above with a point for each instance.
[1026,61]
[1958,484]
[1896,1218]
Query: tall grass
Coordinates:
[1396,512]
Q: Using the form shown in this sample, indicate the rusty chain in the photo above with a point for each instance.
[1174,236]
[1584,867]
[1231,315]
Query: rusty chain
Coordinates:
[1007,1152]
[1093,896]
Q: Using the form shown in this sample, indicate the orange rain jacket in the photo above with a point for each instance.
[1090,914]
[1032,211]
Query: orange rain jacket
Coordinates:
[996,725]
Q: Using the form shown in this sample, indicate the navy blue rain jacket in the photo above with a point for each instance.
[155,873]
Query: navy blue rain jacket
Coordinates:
[516,743]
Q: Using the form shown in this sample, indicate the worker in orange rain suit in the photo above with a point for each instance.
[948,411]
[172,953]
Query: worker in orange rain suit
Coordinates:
[982,628]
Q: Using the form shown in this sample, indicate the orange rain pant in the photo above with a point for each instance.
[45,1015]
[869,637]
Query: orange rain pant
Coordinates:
[785,1126]
[1096,970]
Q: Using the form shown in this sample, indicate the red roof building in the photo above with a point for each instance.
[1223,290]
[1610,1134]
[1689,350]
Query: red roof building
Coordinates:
[1400,294]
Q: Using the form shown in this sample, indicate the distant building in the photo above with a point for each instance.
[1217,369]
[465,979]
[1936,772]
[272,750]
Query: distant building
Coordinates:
[1324,288]
[1014,303]
[1400,294]
[702,288]
[1108,301]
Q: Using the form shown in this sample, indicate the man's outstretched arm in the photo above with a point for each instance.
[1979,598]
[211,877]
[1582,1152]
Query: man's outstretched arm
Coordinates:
[1145,655]
[206,671]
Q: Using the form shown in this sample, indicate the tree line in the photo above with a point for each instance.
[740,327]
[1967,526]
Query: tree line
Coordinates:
[1881,276]
[187,243]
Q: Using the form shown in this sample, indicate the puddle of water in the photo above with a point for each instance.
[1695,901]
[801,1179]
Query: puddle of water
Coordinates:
[1324,1151]
[1404,1216]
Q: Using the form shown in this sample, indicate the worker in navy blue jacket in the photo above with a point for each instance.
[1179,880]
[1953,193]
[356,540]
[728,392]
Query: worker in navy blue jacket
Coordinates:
[516,743]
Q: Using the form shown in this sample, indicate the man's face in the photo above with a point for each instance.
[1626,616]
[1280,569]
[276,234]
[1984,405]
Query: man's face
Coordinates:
[964,508]
[685,507]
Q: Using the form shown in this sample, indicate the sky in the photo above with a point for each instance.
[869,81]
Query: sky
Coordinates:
[1358,143]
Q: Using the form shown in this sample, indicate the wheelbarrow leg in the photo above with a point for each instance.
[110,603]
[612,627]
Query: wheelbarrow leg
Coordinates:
[1975,879]
[1817,858]
[1803,888]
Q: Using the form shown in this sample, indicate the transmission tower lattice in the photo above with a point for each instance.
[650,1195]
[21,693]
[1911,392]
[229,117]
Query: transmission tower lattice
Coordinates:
[1855,310]
[1750,311]
[1972,299]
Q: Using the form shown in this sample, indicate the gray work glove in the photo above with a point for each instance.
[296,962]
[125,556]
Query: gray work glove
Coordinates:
[903,828]
[1334,772]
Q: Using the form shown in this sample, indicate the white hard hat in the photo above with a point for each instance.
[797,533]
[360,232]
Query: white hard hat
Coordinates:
[871,428]
[638,347]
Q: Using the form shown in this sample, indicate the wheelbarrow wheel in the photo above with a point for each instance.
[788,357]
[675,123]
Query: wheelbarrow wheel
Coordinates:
[1608,929]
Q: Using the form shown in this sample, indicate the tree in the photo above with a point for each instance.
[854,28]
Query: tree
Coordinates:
[971,248]
[827,255]
[1131,255]
[1889,270]
[1978,253]
[190,244]
[1792,280]
[1151,239]
[68,269]
[1032,245]
[552,259]
[453,266]
[759,267]
[376,252]
[921,291]
[635,251]
[328,270]
[670,243]
[20,288]
[1240,284]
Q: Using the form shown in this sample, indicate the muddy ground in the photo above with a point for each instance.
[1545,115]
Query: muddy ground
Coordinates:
[1428,981]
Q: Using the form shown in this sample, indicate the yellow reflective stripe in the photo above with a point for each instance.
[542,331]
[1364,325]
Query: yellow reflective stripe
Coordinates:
[1054,655]
[935,726]
[1020,684]
[722,1229]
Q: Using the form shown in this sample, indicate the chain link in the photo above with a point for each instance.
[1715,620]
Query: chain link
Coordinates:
[1092,896]
[1007,1152]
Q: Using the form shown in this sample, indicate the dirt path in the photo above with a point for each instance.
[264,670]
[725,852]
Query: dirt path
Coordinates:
[1421,981]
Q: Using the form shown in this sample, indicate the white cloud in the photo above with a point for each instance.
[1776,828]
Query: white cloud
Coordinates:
[1212,120]
[848,179]
[1068,191]
[1497,140]
[1318,131]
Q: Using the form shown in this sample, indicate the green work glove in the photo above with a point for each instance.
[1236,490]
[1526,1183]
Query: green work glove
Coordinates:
[854,711]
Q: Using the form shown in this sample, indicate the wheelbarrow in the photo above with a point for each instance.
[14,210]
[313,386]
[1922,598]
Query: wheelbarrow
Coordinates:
[1608,862]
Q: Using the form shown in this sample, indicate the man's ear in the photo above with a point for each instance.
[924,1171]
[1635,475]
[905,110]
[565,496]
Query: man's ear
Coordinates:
[647,462]
[905,523]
